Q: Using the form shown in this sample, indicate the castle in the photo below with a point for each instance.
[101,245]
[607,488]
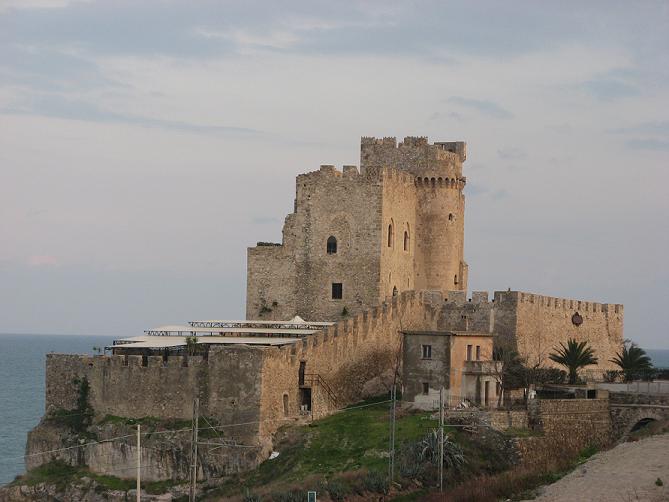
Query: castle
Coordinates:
[368,256]
[357,237]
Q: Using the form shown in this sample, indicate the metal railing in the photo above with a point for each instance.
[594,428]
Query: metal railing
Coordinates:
[313,379]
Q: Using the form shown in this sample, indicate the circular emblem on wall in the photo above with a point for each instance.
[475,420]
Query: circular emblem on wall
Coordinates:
[577,319]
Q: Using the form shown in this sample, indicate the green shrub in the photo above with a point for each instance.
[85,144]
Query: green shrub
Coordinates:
[658,482]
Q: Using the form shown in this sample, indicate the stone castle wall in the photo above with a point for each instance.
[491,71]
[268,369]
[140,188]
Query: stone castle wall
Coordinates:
[536,324]
[346,356]
[295,278]
[228,384]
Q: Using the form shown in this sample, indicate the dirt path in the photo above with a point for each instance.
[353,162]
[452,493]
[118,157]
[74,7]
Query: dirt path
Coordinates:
[625,473]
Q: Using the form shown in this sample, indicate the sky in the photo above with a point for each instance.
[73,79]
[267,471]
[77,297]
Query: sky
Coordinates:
[145,145]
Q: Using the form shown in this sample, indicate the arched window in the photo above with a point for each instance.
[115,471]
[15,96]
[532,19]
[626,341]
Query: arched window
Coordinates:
[394,290]
[390,235]
[406,240]
[332,245]
[451,217]
[455,279]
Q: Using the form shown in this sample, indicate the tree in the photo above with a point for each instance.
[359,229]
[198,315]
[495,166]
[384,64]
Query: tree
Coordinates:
[507,368]
[632,360]
[191,345]
[573,356]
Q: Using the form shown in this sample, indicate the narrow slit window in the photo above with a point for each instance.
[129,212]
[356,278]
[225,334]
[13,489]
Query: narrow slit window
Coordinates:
[469,352]
[478,352]
[331,245]
[390,235]
[406,241]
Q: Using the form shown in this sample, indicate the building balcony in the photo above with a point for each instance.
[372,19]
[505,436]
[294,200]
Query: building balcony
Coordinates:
[481,367]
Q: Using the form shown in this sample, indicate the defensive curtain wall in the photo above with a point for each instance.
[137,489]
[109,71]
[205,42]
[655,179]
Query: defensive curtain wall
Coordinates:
[536,324]
[257,387]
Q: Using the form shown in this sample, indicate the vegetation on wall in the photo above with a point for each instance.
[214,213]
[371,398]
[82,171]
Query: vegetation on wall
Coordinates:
[81,417]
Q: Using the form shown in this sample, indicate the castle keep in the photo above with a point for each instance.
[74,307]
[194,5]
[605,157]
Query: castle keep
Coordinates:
[370,257]
[357,237]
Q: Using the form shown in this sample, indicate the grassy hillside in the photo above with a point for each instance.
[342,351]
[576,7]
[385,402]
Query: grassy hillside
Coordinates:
[347,454]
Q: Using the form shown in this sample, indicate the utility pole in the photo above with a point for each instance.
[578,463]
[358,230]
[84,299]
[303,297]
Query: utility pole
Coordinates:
[391,450]
[139,463]
[441,439]
[193,458]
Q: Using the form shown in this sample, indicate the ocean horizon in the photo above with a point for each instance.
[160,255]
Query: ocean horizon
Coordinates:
[22,393]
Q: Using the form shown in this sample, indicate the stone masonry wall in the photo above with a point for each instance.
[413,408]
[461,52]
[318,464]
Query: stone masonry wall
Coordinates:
[296,277]
[227,384]
[345,355]
[413,188]
[568,426]
[536,324]
[398,214]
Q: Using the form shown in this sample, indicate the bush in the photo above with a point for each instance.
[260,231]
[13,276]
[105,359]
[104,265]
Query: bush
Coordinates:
[250,497]
[291,496]
[375,482]
[337,490]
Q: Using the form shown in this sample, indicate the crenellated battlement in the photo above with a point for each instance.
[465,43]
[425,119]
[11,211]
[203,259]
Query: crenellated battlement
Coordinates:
[455,298]
[432,182]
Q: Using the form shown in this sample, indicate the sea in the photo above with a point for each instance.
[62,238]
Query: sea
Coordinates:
[22,360]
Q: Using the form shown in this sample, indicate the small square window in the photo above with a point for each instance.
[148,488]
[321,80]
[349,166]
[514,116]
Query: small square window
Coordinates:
[426,388]
[427,351]
[337,291]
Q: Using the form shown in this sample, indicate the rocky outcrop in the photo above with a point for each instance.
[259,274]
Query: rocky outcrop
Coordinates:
[110,448]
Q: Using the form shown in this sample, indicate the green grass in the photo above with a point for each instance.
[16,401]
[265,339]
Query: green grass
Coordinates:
[351,440]
[517,432]
[63,475]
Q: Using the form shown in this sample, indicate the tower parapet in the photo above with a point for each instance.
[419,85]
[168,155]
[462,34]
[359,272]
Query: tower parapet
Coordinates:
[415,154]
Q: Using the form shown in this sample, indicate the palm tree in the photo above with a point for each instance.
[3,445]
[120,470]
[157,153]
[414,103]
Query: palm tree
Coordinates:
[632,360]
[573,356]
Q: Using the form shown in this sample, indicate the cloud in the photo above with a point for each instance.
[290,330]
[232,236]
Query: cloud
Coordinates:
[511,153]
[6,5]
[609,88]
[651,127]
[484,107]
[42,261]
[649,144]
[73,109]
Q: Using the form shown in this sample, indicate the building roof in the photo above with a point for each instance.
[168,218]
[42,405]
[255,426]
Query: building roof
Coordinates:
[172,330]
[162,342]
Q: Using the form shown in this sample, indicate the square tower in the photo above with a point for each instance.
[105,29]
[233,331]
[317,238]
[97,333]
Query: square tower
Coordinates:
[356,238]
